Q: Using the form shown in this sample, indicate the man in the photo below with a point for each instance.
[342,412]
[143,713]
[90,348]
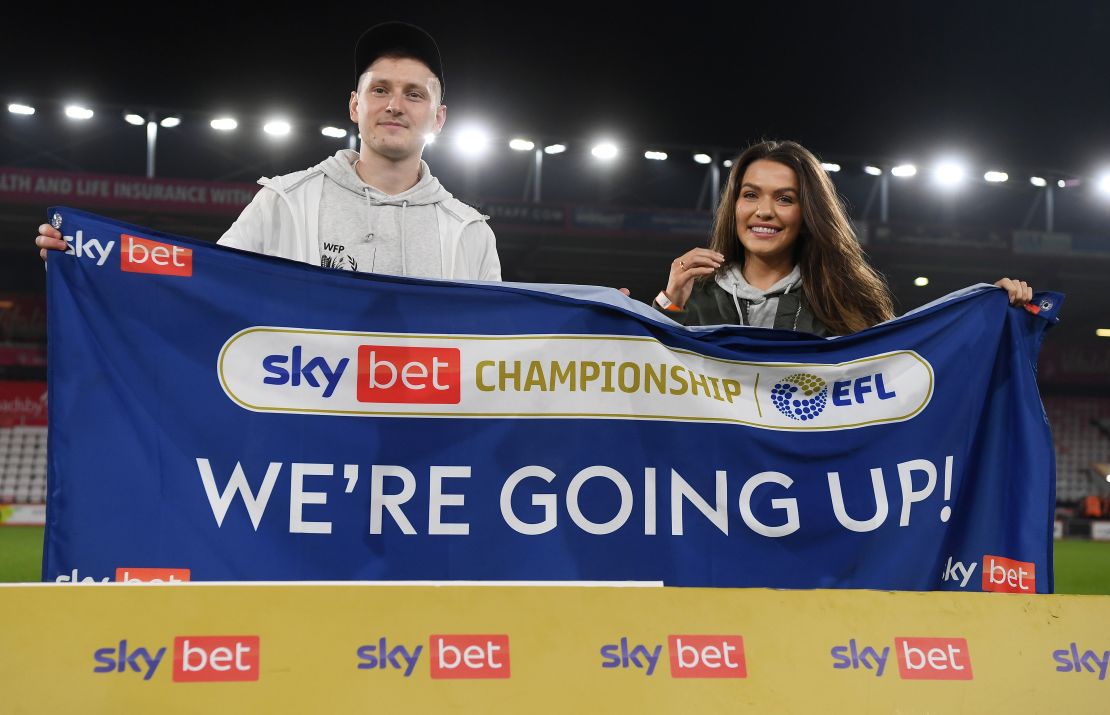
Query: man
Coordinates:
[379,209]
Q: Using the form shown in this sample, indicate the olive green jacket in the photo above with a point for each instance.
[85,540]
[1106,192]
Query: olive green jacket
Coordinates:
[710,304]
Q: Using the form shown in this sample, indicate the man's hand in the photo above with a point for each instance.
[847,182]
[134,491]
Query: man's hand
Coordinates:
[1019,291]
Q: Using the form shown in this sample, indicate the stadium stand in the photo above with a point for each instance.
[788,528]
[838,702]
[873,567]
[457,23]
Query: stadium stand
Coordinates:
[23,465]
[1082,441]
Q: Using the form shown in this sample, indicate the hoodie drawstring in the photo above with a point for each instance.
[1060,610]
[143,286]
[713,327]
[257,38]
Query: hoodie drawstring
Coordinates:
[736,302]
[369,223]
[404,269]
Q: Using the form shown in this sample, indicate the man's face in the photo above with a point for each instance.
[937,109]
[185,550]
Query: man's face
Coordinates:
[396,104]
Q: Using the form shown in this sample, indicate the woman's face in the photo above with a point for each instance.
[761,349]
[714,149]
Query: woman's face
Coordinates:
[768,214]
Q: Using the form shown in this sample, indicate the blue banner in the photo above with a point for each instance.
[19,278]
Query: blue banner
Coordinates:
[230,416]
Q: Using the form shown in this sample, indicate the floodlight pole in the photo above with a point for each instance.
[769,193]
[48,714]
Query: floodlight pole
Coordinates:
[884,197]
[151,142]
[715,174]
[1049,209]
[537,174]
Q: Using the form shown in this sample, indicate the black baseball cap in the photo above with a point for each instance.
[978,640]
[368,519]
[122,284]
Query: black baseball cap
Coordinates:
[390,37]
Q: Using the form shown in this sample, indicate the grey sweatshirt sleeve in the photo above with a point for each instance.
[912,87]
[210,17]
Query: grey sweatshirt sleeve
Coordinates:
[479,252]
[253,225]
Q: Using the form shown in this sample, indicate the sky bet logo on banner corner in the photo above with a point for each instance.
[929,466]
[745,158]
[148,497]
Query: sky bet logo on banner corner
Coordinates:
[137,255]
[151,575]
[142,255]
[1003,575]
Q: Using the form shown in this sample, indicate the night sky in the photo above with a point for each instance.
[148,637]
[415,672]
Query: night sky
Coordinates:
[1022,85]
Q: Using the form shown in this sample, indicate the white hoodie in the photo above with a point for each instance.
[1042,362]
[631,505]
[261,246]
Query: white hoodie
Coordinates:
[327,216]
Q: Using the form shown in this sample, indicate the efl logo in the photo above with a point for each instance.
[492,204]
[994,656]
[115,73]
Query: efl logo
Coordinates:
[469,656]
[141,255]
[707,656]
[1007,576]
[215,658]
[401,374]
[142,575]
[933,658]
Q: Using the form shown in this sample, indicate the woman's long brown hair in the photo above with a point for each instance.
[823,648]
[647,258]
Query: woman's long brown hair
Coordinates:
[844,291]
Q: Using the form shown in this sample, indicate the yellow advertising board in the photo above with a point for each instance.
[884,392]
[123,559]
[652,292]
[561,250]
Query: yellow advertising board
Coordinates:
[357,647]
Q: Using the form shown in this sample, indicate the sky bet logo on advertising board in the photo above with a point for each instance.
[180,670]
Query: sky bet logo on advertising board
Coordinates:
[137,255]
[918,658]
[1072,660]
[195,659]
[450,656]
[689,656]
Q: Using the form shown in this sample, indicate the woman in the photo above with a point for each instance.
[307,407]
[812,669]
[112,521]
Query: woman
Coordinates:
[797,264]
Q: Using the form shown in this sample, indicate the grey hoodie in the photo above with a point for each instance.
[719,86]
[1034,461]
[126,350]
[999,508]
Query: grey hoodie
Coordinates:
[365,229]
[760,306]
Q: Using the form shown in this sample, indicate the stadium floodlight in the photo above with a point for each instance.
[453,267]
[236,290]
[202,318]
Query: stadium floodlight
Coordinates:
[1104,184]
[904,171]
[554,148]
[949,173]
[134,119]
[76,111]
[1037,181]
[703,158]
[224,124]
[1103,332]
[996,177]
[829,167]
[277,127]
[1061,184]
[921,281]
[655,155]
[333,132]
[872,170]
[728,163]
[472,142]
[21,109]
[170,122]
[521,145]
[606,151]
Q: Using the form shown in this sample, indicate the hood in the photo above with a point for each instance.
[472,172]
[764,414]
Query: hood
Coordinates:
[340,169]
[732,281]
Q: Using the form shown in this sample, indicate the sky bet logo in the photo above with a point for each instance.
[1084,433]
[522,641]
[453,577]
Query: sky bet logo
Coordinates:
[384,373]
[1070,660]
[141,255]
[1000,575]
[455,657]
[137,255]
[918,658]
[195,659]
[690,656]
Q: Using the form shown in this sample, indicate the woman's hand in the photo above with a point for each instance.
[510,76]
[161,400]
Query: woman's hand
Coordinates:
[686,268]
[49,239]
[1020,292]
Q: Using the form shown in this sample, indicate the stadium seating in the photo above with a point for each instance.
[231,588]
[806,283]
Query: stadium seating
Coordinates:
[23,465]
[1081,442]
